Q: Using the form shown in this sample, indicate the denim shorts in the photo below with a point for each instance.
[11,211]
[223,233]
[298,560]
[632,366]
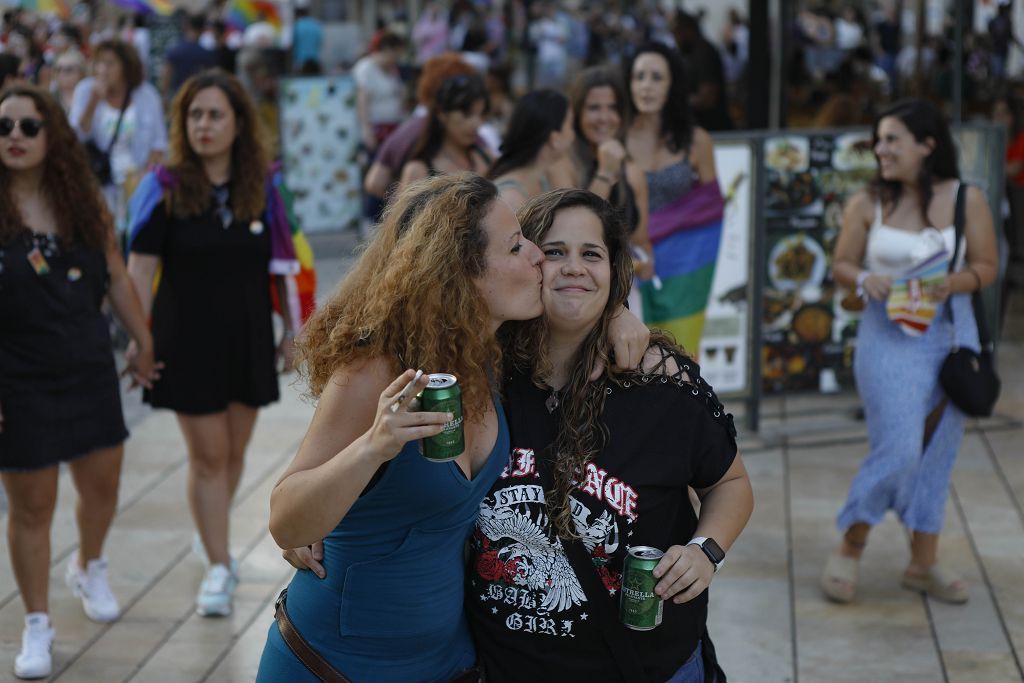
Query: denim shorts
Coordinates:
[692,671]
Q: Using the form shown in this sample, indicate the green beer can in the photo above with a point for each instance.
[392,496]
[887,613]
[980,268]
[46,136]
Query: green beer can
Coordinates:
[639,607]
[443,395]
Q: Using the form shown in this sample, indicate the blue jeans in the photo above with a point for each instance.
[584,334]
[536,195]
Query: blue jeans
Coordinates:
[692,671]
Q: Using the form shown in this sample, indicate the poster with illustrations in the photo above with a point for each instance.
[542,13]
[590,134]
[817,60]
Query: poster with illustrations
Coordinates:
[725,347]
[809,325]
[319,143]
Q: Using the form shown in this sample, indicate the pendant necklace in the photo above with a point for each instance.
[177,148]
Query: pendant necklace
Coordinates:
[552,401]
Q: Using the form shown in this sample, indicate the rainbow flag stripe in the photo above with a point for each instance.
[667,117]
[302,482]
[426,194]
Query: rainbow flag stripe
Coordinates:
[163,7]
[686,235]
[241,13]
[57,8]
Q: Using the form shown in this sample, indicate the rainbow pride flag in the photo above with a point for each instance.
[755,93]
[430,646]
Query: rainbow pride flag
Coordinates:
[57,8]
[686,234]
[164,7]
[241,13]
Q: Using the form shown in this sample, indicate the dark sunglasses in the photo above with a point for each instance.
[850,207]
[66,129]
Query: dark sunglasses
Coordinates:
[30,127]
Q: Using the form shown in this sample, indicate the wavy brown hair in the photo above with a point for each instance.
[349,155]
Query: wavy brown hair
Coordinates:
[582,433]
[131,64]
[68,184]
[193,192]
[411,296]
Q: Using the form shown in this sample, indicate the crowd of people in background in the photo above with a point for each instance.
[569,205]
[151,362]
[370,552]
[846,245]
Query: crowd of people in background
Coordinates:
[613,108]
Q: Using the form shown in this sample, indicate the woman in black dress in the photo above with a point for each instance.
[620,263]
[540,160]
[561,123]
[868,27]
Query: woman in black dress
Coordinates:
[59,394]
[207,232]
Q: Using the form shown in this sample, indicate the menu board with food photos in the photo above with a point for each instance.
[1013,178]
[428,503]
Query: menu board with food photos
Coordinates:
[319,143]
[809,325]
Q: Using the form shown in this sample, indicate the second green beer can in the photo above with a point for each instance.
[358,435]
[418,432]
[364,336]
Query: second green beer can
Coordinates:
[639,607]
[443,395]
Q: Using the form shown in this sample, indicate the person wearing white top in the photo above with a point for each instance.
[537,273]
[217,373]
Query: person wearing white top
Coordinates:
[913,430]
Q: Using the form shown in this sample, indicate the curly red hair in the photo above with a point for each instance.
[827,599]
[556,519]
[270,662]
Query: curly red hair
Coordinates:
[411,296]
[68,183]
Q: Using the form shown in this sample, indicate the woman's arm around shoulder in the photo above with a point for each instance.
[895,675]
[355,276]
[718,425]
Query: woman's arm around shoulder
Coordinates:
[702,155]
[354,431]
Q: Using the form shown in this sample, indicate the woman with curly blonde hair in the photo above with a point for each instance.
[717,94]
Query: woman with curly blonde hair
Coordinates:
[598,467]
[206,223]
[59,394]
[447,268]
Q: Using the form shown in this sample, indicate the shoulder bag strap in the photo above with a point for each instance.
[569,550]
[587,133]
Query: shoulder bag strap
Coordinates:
[623,652]
[959,221]
[117,128]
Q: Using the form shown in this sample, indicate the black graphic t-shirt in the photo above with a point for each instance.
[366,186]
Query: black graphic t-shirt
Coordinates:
[526,606]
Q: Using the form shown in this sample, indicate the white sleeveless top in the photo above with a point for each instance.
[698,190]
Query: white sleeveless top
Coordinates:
[892,251]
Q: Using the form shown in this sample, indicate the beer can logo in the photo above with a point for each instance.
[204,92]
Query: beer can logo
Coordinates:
[444,395]
[640,608]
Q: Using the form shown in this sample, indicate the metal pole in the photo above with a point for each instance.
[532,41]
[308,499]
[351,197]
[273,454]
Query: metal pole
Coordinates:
[777,22]
[959,19]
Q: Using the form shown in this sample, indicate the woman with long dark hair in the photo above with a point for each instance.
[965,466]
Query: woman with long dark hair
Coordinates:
[684,200]
[539,135]
[907,214]
[59,394]
[206,223]
[448,144]
[600,162]
[597,467]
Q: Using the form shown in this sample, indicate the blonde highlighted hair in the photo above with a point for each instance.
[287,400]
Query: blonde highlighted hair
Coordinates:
[411,296]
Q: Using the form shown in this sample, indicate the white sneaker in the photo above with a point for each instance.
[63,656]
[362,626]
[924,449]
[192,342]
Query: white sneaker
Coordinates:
[199,550]
[34,660]
[216,591]
[93,588]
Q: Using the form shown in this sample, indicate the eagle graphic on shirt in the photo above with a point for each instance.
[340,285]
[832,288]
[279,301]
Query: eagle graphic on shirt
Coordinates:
[520,549]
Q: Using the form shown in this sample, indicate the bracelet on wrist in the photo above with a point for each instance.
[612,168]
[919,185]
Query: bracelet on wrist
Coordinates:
[861,277]
[602,176]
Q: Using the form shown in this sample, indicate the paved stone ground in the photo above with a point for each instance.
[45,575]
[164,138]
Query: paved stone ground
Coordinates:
[768,618]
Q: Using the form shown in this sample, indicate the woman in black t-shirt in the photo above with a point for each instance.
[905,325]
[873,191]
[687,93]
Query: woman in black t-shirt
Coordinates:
[628,447]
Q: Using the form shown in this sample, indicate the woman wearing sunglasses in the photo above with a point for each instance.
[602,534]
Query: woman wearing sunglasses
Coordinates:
[59,394]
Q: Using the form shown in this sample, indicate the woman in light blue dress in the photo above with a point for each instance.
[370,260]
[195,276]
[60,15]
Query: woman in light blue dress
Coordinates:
[913,430]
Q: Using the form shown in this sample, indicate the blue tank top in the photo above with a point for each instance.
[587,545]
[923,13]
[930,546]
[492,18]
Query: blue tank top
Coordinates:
[390,608]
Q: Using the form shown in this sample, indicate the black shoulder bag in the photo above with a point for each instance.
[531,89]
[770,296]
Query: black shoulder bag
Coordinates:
[99,159]
[969,378]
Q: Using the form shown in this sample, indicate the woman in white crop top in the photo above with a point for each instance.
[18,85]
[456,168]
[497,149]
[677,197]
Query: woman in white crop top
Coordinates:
[906,213]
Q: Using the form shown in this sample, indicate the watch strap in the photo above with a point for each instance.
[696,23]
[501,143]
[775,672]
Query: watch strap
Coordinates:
[699,542]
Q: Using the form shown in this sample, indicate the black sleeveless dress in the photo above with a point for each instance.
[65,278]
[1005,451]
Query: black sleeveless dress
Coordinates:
[212,314]
[59,392]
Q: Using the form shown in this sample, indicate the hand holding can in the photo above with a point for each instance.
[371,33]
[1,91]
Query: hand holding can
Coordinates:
[392,429]
[443,393]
